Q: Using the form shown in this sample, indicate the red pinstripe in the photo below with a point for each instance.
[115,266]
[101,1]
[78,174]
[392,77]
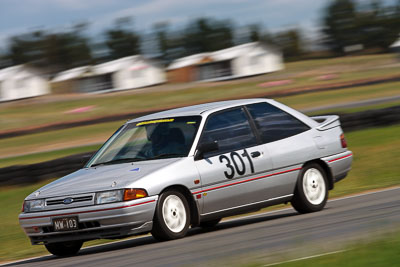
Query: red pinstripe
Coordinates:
[332,160]
[245,181]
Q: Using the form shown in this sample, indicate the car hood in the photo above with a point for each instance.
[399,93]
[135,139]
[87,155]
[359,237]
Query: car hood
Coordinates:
[100,178]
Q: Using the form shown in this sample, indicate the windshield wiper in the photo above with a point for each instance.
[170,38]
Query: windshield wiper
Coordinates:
[115,161]
[166,156]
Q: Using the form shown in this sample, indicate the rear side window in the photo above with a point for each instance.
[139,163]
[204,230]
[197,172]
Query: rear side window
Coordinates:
[231,129]
[273,123]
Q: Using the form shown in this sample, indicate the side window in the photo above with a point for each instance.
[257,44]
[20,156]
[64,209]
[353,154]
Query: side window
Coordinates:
[273,123]
[231,129]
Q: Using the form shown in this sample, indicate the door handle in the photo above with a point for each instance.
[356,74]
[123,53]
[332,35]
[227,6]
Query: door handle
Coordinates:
[255,154]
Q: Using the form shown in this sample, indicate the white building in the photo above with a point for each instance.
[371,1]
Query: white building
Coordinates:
[21,82]
[121,74]
[396,46]
[235,62]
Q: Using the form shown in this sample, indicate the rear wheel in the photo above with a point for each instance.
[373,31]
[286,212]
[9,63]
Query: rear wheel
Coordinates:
[172,216]
[311,191]
[63,249]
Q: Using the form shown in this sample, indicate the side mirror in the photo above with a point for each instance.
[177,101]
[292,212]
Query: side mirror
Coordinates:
[205,148]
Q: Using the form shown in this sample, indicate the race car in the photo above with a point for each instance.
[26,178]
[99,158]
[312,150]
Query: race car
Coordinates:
[166,172]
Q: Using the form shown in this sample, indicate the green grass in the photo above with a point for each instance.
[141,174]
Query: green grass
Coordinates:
[45,156]
[54,140]
[382,252]
[14,244]
[37,112]
[375,166]
[376,153]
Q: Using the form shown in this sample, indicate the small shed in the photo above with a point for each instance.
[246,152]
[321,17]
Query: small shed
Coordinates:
[121,74]
[395,47]
[70,80]
[21,82]
[235,62]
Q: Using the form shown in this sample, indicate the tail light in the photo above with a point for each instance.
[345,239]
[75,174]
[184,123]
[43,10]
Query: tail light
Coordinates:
[343,141]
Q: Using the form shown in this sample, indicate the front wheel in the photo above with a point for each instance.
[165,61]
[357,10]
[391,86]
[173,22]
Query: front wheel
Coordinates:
[311,192]
[172,216]
[63,249]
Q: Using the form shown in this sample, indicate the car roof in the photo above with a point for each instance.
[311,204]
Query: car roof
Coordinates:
[196,110]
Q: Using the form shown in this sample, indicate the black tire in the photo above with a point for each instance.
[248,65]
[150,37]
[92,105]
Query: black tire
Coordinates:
[164,231]
[318,185]
[210,223]
[64,249]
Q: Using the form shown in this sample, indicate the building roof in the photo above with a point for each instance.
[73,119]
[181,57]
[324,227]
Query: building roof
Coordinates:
[198,109]
[220,55]
[395,44]
[71,74]
[17,72]
[115,65]
[187,61]
[103,68]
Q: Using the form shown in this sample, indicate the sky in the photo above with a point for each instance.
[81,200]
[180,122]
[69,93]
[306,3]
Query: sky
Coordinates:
[21,16]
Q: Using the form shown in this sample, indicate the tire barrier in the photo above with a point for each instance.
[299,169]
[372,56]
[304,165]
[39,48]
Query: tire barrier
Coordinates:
[29,174]
[32,173]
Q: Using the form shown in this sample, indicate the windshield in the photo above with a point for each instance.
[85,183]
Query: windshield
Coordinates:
[146,140]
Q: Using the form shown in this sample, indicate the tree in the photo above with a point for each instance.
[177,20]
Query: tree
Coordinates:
[340,25]
[161,35]
[379,25]
[55,51]
[206,35]
[121,40]
[291,43]
[373,26]
[254,30]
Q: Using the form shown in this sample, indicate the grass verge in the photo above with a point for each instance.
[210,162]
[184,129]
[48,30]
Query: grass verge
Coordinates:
[382,252]
[55,140]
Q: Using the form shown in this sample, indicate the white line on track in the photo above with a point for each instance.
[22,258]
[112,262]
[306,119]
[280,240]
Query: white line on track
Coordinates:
[229,220]
[306,258]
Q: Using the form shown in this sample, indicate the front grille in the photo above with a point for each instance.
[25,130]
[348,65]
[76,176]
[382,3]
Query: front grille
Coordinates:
[74,200]
[81,225]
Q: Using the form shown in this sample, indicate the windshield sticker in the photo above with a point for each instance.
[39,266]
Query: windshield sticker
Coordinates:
[135,170]
[191,122]
[154,121]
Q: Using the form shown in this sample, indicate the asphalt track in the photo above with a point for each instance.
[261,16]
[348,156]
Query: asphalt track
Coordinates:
[252,237]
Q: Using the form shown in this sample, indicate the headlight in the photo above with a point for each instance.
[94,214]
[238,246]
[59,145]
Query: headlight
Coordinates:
[109,196]
[33,205]
[119,195]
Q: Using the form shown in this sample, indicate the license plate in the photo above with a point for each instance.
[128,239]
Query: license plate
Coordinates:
[65,224]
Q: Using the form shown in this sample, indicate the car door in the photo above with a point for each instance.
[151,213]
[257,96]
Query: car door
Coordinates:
[228,174]
[288,141]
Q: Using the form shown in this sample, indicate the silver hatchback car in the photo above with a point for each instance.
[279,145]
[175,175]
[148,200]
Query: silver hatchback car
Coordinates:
[191,166]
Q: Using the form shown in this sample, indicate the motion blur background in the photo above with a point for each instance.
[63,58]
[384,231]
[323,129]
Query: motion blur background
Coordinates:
[71,72]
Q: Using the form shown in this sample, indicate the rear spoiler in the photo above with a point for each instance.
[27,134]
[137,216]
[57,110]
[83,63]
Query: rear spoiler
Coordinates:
[326,122]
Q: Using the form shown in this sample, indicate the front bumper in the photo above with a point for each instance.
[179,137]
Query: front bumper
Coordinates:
[339,164]
[112,220]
